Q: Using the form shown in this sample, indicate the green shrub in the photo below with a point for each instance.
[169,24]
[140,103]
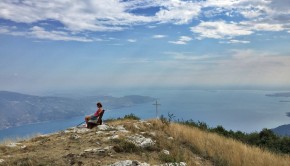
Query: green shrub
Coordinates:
[264,139]
[132,117]
[166,158]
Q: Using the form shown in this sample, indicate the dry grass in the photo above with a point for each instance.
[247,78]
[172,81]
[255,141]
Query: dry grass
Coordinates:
[222,151]
[18,139]
[190,145]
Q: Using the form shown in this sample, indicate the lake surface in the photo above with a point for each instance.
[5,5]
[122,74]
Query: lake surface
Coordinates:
[242,110]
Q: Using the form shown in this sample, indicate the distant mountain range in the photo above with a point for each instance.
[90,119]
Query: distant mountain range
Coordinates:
[283,130]
[18,109]
[282,94]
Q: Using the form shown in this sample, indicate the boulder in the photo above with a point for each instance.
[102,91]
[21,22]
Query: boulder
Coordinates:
[140,140]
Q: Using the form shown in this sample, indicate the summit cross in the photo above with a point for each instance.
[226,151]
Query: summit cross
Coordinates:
[157,104]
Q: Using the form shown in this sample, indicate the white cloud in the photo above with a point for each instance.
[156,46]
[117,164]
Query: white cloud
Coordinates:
[188,56]
[182,40]
[4,30]
[158,36]
[280,5]
[112,15]
[235,4]
[151,26]
[178,12]
[41,33]
[132,40]
[229,30]
[101,15]
[264,15]
[265,26]
[220,3]
[220,30]
[236,42]
[251,13]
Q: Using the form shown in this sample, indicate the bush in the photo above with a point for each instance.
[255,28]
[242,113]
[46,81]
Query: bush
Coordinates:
[131,117]
[264,139]
[167,158]
[164,120]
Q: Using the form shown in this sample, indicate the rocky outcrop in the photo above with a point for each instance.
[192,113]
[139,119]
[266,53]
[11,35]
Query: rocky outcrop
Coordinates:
[140,140]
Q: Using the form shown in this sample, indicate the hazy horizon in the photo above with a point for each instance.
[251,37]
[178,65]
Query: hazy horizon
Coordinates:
[133,44]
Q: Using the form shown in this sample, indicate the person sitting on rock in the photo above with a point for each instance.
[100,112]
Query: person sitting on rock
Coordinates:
[97,116]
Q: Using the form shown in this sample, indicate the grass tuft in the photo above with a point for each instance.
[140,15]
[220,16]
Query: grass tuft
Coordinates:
[122,145]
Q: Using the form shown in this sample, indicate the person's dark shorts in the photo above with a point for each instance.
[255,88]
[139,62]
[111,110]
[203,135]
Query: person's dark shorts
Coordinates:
[93,117]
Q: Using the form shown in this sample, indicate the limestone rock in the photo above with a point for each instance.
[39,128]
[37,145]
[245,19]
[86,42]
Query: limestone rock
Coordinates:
[100,132]
[103,127]
[23,146]
[13,144]
[113,137]
[136,126]
[98,150]
[75,137]
[174,164]
[165,152]
[140,140]
[77,130]
[121,128]
[129,163]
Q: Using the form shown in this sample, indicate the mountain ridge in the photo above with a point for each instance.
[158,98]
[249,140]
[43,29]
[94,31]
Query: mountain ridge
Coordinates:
[283,130]
[18,109]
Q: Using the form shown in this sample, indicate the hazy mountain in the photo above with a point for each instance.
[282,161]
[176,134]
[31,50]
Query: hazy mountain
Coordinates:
[18,109]
[283,130]
[282,94]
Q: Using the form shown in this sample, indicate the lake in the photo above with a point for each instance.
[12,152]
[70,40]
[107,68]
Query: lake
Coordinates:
[244,110]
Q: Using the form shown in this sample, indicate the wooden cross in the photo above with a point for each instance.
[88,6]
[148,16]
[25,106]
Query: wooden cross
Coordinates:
[156,104]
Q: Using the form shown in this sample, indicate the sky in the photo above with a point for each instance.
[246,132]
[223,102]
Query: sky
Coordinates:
[72,44]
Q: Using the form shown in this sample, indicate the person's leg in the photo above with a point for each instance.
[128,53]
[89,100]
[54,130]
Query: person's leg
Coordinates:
[87,118]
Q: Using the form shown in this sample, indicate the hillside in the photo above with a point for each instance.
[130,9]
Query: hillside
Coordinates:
[133,142]
[283,130]
[18,109]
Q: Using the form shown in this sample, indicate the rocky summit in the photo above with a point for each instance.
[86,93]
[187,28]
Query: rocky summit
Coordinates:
[116,143]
